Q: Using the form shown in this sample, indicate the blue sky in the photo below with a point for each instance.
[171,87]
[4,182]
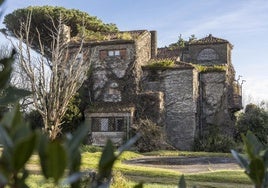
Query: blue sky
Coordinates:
[242,22]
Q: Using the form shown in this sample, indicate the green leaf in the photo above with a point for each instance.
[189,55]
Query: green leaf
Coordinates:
[23,150]
[53,158]
[106,161]
[5,73]
[252,145]
[243,162]
[257,171]
[13,118]
[182,183]
[77,138]
[5,138]
[12,95]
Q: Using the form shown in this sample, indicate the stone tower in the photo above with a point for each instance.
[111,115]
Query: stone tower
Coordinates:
[218,96]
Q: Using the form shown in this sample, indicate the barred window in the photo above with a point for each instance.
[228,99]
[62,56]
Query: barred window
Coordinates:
[108,124]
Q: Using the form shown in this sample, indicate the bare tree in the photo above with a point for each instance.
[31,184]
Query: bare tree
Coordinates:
[55,74]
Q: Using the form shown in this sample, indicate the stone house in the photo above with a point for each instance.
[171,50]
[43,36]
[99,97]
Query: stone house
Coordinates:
[198,91]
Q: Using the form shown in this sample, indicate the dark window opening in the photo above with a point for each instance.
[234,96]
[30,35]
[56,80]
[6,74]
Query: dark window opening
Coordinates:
[108,124]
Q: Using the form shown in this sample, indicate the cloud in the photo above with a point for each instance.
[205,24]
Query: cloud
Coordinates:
[250,17]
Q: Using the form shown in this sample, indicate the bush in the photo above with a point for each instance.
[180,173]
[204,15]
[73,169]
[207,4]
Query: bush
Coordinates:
[214,141]
[254,119]
[152,136]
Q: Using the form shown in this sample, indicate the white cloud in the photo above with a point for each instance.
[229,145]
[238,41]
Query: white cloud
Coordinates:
[250,17]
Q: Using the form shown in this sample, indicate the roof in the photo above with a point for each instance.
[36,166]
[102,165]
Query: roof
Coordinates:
[164,53]
[209,40]
[121,37]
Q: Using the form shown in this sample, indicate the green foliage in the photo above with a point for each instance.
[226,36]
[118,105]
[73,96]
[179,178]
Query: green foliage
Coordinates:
[17,140]
[254,119]
[181,43]
[124,36]
[214,141]
[255,162]
[73,116]
[57,157]
[161,63]
[42,20]
[210,68]
[20,142]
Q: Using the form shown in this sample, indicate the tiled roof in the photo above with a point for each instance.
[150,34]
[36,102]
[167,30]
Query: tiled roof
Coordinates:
[164,53]
[209,40]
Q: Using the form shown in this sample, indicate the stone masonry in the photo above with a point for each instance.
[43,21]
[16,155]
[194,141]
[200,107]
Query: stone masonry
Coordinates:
[183,99]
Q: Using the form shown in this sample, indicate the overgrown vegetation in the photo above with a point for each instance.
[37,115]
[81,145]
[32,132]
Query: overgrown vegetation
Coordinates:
[254,119]
[161,63]
[214,141]
[44,16]
[209,68]
[58,158]
[152,136]
[181,43]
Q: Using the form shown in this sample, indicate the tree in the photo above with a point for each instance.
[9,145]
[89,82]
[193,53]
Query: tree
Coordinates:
[181,43]
[54,77]
[254,119]
[43,19]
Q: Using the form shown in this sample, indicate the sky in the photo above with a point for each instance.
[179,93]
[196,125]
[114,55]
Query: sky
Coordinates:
[242,22]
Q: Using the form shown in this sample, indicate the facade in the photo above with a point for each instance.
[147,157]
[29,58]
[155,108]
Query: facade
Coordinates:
[184,98]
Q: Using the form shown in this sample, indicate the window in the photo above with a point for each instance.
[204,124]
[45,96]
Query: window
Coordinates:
[104,124]
[108,124]
[113,53]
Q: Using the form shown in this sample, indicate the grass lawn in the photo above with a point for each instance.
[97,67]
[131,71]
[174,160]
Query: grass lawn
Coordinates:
[157,177]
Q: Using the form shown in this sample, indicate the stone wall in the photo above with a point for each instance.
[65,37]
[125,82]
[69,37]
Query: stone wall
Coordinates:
[143,55]
[214,91]
[109,73]
[210,54]
[180,88]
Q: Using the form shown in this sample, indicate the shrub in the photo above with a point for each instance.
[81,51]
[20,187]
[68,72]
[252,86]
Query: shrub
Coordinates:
[254,119]
[214,141]
[152,136]
[210,68]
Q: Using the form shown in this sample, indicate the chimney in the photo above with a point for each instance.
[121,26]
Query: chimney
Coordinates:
[153,44]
